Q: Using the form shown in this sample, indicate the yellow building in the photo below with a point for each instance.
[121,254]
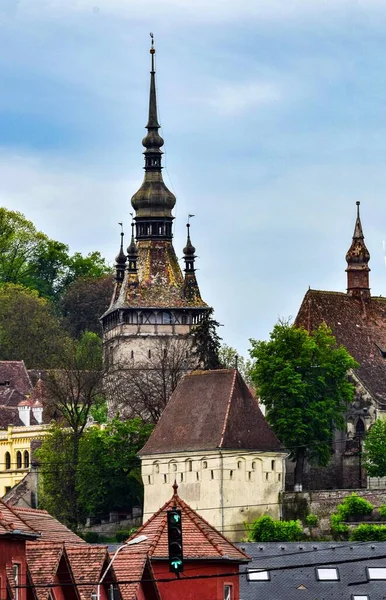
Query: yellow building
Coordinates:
[15,453]
[21,422]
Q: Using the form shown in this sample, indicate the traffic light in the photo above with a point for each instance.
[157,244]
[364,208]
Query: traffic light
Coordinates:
[176,557]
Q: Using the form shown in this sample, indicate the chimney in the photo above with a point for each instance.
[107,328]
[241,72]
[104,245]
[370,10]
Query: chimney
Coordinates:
[24,408]
[37,411]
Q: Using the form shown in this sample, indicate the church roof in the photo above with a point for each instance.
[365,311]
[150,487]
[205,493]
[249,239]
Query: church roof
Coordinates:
[15,383]
[358,325]
[210,410]
[201,540]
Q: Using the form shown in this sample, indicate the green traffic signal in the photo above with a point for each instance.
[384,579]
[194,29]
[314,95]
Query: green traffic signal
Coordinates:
[176,563]
[176,518]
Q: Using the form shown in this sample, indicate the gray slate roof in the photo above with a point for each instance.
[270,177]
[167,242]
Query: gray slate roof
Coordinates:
[285,582]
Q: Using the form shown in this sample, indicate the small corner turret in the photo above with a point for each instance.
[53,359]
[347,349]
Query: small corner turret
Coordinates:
[357,259]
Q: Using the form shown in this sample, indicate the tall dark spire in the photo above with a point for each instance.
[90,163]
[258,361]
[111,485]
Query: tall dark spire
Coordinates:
[153,203]
[191,289]
[120,260]
[357,259]
[132,257]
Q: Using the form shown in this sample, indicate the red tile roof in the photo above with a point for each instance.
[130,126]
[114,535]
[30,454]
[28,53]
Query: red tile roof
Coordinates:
[358,325]
[130,565]
[200,539]
[14,372]
[49,527]
[43,561]
[12,522]
[87,564]
[210,410]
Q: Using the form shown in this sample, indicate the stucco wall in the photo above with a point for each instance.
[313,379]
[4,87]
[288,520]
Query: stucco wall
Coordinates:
[227,488]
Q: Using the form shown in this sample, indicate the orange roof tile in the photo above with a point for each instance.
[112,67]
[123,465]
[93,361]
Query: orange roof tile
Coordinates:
[87,564]
[49,527]
[43,561]
[12,522]
[129,565]
[200,539]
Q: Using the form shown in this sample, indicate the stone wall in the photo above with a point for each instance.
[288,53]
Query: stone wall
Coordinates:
[296,505]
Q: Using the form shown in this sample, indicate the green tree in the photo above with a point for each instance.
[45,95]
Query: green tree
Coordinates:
[207,342]
[231,359]
[83,303]
[72,391]
[29,328]
[30,258]
[107,474]
[375,449]
[302,379]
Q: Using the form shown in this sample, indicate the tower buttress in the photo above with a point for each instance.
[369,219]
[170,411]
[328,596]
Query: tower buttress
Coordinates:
[357,259]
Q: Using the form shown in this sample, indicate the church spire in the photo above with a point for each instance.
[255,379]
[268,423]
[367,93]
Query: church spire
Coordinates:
[120,261]
[357,259]
[153,203]
[191,289]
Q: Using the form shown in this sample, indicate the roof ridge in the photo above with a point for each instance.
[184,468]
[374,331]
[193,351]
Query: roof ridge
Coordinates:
[228,408]
[135,534]
[196,520]
[13,511]
[29,509]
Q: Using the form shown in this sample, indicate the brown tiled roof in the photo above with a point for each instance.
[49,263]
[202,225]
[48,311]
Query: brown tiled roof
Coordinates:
[132,564]
[14,372]
[49,527]
[161,284]
[87,565]
[358,325]
[11,522]
[43,561]
[201,540]
[209,410]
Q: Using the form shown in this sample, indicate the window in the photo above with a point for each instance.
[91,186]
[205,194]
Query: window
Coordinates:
[257,575]
[197,476]
[239,464]
[204,464]
[228,592]
[165,478]
[18,460]
[212,474]
[149,354]
[189,465]
[26,459]
[7,460]
[272,465]
[16,575]
[266,476]
[249,475]
[230,474]
[327,574]
[181,477]
[132,354]
[254,465]
[279,477]
[359,597]
[149,479]
[156,467]
[376,572]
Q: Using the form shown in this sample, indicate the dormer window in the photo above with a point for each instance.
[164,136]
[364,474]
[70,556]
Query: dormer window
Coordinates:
[327,574]
[258,575]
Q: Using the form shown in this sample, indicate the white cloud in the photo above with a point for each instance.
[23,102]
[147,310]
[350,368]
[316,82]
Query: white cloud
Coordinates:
[78,207]
[233,99]
[204,11]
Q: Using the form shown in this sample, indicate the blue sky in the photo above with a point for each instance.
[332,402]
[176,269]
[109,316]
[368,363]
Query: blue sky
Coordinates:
[274,119]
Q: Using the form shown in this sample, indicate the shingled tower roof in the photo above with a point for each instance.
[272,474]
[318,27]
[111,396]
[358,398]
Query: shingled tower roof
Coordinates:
[211,410]
[357,320]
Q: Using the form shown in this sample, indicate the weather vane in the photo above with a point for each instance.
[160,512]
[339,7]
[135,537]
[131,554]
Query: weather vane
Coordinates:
[189,217]
[121,224]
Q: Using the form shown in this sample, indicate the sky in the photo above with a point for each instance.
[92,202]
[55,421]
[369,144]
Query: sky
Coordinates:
[274,119]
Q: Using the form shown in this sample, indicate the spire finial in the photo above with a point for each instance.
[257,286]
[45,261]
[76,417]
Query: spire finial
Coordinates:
[358,205]
[175,488]
[120,260]
[152,52]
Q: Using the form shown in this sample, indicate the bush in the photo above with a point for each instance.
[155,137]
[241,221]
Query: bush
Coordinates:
[266,529]
[91,537]
[338,529]
[369,533]
[354,506]
[312,520]
[382,511]
[122,534]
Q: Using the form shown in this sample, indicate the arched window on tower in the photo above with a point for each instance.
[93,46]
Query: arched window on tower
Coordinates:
[7,461]
[360,428]
[18,460]
[26,459]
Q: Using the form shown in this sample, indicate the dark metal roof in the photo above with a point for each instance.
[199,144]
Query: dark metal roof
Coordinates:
[301,582]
